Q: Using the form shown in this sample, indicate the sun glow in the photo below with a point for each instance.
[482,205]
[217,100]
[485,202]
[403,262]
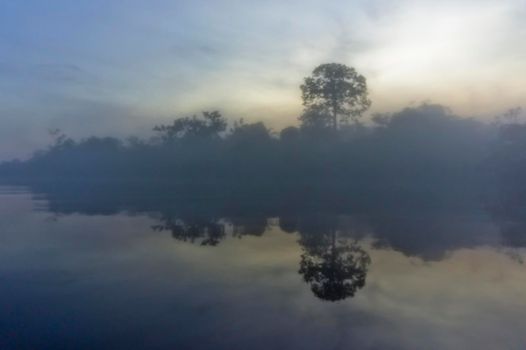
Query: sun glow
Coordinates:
[421,46]
[454,57]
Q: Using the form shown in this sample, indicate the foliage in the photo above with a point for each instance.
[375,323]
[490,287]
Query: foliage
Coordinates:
[210,125]
[333,94]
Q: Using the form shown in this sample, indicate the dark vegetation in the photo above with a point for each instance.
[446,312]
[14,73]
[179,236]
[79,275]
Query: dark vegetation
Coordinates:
[425,147]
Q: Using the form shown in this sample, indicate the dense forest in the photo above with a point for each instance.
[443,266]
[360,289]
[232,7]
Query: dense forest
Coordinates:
[425,146]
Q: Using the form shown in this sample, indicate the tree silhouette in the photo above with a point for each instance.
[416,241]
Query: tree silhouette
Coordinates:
[210,125]
[334,268]
[202,231]
[334,91]
[316,118]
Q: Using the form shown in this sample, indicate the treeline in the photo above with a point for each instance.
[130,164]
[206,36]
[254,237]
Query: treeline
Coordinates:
[425,146]
[425,143]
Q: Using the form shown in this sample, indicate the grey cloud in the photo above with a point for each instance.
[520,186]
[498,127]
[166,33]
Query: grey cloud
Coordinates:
[24,130]
[45,73]
[59,72]
[196,50]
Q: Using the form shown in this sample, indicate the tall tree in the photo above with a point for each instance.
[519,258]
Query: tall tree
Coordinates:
[337,90]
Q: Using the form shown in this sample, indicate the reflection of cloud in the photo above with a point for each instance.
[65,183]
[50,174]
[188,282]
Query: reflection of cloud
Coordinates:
[471,293]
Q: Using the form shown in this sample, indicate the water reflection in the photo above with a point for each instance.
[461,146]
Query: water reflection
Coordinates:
[329,225]
[422,224]
[183,270]
[334,268]
[203,231]
[509,213]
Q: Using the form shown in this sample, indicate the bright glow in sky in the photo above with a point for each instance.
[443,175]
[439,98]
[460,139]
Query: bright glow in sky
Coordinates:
[109,67]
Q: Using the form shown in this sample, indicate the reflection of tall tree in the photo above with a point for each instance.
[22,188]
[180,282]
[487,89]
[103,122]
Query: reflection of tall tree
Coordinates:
[510,216]
[332,263]
[334,267]
[509,164]
[206,232]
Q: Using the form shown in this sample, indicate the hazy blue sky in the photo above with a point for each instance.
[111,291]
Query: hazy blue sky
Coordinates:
[118,66]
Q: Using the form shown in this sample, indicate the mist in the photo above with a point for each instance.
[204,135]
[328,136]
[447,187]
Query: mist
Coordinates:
[262,174]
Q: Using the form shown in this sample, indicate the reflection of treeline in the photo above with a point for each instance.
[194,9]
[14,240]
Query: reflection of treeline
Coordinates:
[209,231]
[332,261]
[418,223]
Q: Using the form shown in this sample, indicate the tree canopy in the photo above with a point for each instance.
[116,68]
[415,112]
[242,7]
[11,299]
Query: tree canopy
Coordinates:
[333,94]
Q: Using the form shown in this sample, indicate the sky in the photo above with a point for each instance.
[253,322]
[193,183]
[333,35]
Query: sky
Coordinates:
[119,67]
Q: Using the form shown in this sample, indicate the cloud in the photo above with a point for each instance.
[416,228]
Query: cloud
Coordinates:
[43,72]
[76,117]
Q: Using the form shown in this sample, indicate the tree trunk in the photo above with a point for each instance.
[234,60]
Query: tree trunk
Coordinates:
[334,118]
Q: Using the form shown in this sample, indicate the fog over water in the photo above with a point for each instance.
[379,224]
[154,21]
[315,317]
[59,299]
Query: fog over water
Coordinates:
[233,175]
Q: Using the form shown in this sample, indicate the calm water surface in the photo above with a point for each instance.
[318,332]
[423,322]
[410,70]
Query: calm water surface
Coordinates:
[85,272]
